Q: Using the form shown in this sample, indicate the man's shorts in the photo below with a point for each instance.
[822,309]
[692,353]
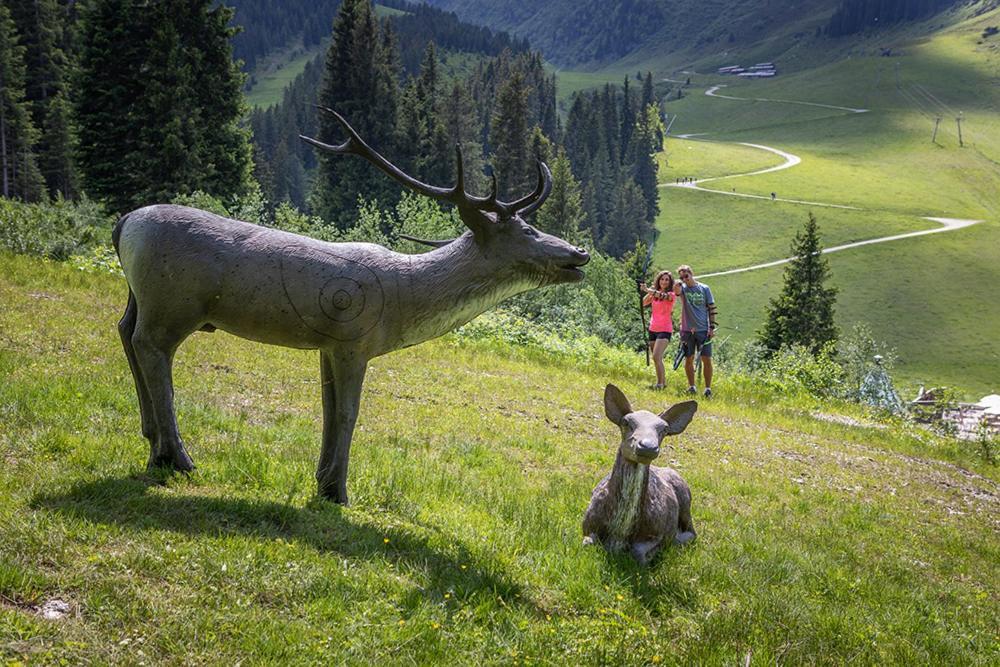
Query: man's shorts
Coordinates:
[691,340]
[657,335]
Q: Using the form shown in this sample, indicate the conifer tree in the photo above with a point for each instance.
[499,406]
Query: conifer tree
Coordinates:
[648,94]
[360,84]
[510,139]
[19,174]
[803,313]
[421,129]
[644,168]
[41,26]
[562,213]
[627,220]
[458,115]
[160,103]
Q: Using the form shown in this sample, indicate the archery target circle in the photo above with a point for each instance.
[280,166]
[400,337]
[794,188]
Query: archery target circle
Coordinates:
[343,299]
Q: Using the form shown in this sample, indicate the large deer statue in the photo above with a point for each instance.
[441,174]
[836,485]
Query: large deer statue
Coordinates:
[189,270]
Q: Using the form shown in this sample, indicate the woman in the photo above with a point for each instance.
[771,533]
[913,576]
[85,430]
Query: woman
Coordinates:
[661,324]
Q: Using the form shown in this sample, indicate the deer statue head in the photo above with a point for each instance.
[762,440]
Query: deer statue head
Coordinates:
[643,431]
[189,270]
[498,227]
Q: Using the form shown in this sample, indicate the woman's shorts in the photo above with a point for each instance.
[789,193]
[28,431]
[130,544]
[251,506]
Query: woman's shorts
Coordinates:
[657,335]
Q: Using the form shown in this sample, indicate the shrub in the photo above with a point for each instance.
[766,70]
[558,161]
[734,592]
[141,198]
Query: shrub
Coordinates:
[856,353]
[56,230]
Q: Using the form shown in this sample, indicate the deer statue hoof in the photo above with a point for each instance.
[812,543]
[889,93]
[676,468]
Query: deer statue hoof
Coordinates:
[174,458]
[334,495]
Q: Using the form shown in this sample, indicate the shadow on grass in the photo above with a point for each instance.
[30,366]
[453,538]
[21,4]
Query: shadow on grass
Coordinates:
[662,587]
[127,502]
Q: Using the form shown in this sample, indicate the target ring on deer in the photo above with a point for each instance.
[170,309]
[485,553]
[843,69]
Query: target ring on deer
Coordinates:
[342,299]
[348,305]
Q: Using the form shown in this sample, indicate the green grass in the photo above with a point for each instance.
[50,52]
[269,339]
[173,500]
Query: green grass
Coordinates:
[275,73]
[933,297]
[472,464]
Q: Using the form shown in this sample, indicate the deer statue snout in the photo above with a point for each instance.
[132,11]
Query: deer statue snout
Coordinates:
[646,451]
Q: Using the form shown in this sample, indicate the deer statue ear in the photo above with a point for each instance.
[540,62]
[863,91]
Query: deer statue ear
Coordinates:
[616,406]
[679,416]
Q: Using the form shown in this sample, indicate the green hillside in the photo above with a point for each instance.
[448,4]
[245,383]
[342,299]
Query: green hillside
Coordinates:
[824,538]
[933,296]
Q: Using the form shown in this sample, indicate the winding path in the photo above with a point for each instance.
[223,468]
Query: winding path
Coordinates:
[711,92]
[791,160]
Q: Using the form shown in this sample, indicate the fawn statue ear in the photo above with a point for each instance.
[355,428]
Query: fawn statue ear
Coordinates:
[679,416]
[616,406]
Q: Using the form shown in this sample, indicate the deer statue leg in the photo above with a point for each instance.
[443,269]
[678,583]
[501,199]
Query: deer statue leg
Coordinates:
[154,348]
[685,526]
[126,327]
[342,380]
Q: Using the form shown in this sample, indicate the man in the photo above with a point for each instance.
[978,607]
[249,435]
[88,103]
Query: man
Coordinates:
[697,325]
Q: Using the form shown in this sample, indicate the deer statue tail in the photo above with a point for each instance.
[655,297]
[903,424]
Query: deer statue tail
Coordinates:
[116,233]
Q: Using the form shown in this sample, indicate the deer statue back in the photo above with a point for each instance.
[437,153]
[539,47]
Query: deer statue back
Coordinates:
[189,270]
[639,508]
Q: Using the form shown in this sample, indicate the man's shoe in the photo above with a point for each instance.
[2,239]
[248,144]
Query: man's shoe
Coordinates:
[708,392]
[692,390]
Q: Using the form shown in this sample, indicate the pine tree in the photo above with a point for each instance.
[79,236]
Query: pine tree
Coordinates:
[160,103]
[509,137]
[360,84]
[562,213]
[422,128]
[803,313]
[19,174]
[627,220]
[41,25]
[458,115]
[644,168]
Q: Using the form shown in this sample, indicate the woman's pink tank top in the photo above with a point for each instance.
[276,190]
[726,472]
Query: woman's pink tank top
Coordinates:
[662,319]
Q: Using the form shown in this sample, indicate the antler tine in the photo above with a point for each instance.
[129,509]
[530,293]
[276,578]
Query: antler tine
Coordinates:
[356,145]
[459,188]
[532,202]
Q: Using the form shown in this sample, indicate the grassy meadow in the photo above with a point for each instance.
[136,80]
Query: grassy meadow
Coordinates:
[932,297]
[824,537]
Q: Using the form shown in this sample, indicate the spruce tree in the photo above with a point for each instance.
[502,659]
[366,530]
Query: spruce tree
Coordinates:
[562,213]
[803,313]
[510,140]
[41,25]
[362,86]
[19,174]
[160,103]
[458,115]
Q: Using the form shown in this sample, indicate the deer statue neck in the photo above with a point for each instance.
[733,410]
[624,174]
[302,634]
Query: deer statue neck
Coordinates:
[628,486]
[453,284]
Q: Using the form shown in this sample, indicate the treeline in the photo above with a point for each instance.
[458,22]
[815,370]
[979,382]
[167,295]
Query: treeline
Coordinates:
[854,16]
[610,137]
[36,44]
[269,25]
[129,101]
[136,102]
[503,116]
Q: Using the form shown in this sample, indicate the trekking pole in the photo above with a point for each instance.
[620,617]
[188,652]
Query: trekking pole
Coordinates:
[642,317]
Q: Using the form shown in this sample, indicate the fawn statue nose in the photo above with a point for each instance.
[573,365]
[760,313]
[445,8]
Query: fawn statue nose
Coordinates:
[647,449]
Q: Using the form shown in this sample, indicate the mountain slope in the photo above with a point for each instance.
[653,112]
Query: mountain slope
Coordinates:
[932,297]
[594,32]
[822,538]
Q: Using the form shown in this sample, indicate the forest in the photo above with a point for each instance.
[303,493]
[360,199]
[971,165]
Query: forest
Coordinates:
[855,16]
[78,120]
